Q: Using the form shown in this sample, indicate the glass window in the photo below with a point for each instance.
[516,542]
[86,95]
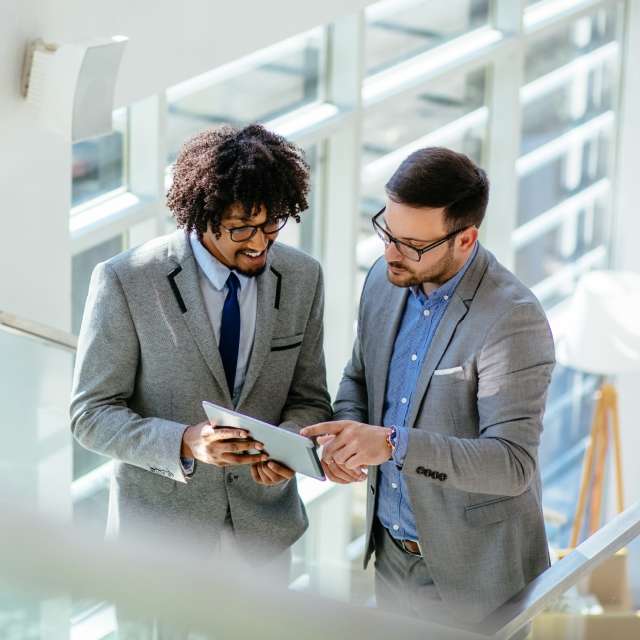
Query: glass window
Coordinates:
[306,235]
[397,31]
[99,164]
[556,47]
[552,182]
[400,121]
[567,423]
[258,88]
[568,146]
[579,232]
[577,98]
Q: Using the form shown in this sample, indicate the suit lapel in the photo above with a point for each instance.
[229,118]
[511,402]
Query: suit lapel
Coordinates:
[183,280]
[389,323]
[456,310]
[269,288]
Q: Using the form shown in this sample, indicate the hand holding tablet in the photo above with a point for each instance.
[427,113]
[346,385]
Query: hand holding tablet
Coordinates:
[287,448]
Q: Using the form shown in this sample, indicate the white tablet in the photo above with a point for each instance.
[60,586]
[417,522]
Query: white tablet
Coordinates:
[294,451]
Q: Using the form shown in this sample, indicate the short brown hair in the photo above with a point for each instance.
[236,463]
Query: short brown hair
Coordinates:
[438,177]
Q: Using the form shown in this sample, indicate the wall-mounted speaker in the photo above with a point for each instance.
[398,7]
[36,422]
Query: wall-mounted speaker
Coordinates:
[70,87]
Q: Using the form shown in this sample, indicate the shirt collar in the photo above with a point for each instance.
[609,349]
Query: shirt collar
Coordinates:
[215,272]
[446,290]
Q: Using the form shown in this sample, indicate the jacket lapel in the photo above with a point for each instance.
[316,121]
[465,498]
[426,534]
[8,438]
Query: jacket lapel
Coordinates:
[389,323]
[183,280]
[269,287]
[455,312]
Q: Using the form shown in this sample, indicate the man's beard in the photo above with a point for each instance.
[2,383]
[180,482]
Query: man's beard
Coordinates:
[254,273]
[438,275]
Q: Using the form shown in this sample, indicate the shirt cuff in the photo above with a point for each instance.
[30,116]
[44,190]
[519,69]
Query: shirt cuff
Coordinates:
[188,466]
[402,444]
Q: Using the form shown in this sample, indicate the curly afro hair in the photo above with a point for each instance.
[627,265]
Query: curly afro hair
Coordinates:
[251,166]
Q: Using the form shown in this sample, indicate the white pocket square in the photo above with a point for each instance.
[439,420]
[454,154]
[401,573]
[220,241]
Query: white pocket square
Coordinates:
[447,372]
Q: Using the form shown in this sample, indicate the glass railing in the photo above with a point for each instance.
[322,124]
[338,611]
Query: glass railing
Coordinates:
[35,379]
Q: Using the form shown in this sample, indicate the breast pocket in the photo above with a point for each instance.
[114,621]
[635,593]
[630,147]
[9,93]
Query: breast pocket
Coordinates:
[287,343]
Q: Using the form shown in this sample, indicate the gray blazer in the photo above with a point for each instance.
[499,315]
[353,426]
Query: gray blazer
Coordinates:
[472,462]
[147,357]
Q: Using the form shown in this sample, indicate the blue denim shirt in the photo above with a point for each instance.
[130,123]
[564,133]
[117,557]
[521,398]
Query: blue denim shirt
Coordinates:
[422,315]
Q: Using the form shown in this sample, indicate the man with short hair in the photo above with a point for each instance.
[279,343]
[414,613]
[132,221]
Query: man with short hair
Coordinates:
[443,398]
[215,311]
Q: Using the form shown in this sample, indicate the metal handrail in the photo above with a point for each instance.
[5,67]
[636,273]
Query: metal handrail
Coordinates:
[39,331]
[550,585]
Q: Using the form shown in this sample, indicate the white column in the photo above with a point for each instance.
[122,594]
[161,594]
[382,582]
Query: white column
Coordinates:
[627,255]
[503,140]
[342,195]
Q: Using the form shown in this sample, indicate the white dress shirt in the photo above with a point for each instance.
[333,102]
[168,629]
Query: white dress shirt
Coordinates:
[213,284]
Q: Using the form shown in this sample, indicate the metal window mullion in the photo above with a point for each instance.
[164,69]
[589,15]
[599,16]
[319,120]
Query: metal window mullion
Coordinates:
[107,227]
[465,64]
[342,190]
[573,12]
[623,84]
[148,155]
[503,137]
[339,209]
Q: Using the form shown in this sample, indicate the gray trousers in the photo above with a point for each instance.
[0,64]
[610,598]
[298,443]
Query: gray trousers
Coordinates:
[404,586]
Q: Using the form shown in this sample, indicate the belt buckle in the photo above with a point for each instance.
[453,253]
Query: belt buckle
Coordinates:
[413,553]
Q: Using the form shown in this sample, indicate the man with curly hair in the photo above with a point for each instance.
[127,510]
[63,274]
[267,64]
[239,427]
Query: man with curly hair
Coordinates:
[214,311]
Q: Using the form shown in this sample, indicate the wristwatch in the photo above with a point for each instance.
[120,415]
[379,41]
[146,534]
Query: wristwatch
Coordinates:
[392,434]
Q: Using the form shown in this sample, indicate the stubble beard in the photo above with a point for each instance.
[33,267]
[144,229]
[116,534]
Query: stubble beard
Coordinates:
[438,275]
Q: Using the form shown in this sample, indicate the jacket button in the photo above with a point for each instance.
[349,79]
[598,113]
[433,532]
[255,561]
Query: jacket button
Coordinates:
[421,470]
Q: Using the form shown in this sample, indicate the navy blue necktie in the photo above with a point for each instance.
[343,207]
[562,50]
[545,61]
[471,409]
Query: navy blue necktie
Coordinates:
[230,331]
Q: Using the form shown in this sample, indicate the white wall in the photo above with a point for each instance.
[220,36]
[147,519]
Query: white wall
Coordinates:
[34,189]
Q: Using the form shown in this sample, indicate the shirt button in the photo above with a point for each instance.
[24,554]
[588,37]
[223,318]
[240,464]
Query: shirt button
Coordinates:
[414,357]
[403,400]
[394,485]
[446,297]
[426,312]
[396,527]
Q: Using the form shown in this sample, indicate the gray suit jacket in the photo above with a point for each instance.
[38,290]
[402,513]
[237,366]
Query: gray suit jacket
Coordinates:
[472,461]
[147,357]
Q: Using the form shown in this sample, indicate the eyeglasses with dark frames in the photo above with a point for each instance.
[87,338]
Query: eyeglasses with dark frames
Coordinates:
[407,250]
[243,234]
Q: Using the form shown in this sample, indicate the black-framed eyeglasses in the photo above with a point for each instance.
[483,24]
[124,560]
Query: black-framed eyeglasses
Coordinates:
[242,234]
[407,250]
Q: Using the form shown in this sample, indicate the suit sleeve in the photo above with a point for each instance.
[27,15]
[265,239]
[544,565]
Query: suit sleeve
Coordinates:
[308,401]
[514,372]
[104,380]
